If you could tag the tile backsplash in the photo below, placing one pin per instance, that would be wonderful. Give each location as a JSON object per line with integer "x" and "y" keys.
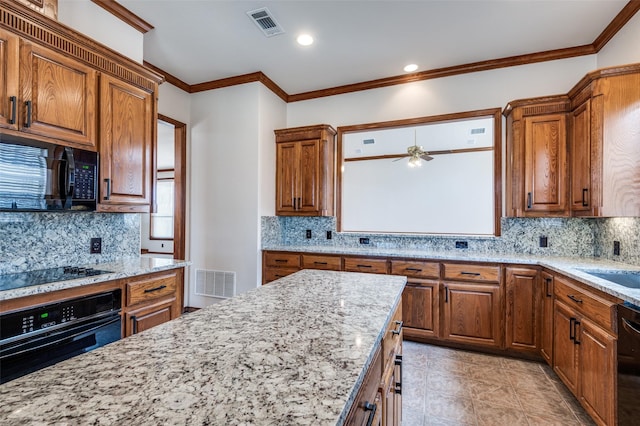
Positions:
{"x": 42, "y": 240}
{"x": 565, "y": 237}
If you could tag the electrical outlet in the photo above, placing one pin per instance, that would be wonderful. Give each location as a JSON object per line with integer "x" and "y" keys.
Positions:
{"x": 616, "y": 248}
{"x": 96, "y": 246}
{"x": 544, "y": 241}
{"x": 308, "y": 233}
{"x": 364, "y": 241}
{"x": 329, "y": 236}
{"x": 462, "y": 244}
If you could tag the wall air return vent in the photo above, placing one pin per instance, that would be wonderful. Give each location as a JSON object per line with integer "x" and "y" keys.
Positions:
{"x": 265, "y": 21}
{"x": 218, "y": 284}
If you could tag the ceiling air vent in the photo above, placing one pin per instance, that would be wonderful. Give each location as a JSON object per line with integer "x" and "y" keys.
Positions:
{"x": 265, "y": 21}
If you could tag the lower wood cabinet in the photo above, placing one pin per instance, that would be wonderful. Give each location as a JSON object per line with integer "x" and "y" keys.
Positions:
{"x": 546, "y": 320}
{"x": 522, "y": 327}
{"x": 420, "y": 307}
{"x": 152, "y": 300}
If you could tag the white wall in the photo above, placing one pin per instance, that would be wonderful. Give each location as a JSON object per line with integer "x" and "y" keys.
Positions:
{"x": 93, "y": 21}
{"x": 624, "y": 48}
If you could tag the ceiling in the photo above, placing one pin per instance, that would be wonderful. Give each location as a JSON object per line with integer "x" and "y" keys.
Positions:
{"x": 356, "y": 41}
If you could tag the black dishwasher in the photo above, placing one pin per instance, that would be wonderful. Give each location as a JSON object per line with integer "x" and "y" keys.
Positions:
{"x": 628, "y": 364}
{"x": 35, "y": 338}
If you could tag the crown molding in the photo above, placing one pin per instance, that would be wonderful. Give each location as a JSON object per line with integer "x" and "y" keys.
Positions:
{"x": 125, "y": 15}
{"x": 627, "y": 12}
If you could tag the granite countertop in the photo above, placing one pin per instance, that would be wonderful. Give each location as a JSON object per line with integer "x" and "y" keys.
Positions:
{"x": 573, "y": 267}
{"x": 293, "y": 352}
{"x": 124, "y": 268}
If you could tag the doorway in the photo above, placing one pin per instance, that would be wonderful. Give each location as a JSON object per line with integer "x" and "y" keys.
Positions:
{"x": 163, "y": 231}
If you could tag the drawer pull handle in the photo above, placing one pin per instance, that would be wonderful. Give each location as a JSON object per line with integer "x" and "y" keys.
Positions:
{"x": 281, "y": 260}
{"x": 631, "y": 326}
{"x": 584, "y": 197}
{"x": 29, "y": 113}
{"x": 576, "y": 323}
{"x": 320, "y": 263}
{"x": 398, "y": 329}
{"x": 107, "y": 196}
{"x": 363, "y": 266}
{"x": 529, "y": 200}
{"x": 446, "y": 295}
{"x": 575, "y": 299}
{"x": 413, "y": 269}
{"x": 475, "y": 274}
{"x": 572, "y": 329}
{"x": 398, "y": 362}
{"x": 14, "y": 102}
{"x": 151, "y": 290}
{"x": 547, "y": 282}
{"x": 370, "y": 407}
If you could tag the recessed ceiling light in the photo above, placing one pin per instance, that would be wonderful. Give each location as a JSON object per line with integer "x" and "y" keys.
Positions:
{"x": 305, "y": 39}
{"x": 411, "y": 68}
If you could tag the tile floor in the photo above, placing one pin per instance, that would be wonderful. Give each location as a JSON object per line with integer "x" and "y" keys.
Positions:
{"x": 452, "y": 387}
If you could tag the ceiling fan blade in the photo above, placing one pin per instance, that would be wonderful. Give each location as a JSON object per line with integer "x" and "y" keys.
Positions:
{"x": 402, "y": 158}
{"x": 426, "y": 157}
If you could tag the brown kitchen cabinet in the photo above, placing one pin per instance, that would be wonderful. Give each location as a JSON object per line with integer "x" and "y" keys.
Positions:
{"x": 472, "y": 311}
{"x": 127, "y": 122}
{"x": 584, "y": 351}
{"x": 277, "y": 264}
{"x": 580, "y": 153}
{"x": 325, "y": 262}
{"x": 366, "y": 264}
{"x": 305, "y": 170}
{"x": 152, "y": 299}
{"x": 51, "y": 96}
{"x": 522, "y": 328}
{"x": 367, "y": 407}
{"x": 546, "y": 314}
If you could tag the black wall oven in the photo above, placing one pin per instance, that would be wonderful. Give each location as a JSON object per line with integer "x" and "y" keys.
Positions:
{"x": 36, "y": 176}
{"x": 35, "y": 338}
{"x": 628, "y": 365}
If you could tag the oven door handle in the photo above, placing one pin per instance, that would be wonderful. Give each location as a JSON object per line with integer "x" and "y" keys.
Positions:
{"x": 72, "y": 333}
{"x": 631, "y": 327}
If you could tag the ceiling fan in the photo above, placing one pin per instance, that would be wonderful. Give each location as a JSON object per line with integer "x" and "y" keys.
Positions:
{"x": 416, "y": 154}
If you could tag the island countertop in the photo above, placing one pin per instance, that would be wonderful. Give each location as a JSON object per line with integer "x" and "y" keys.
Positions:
{"x": 293, "y": 352}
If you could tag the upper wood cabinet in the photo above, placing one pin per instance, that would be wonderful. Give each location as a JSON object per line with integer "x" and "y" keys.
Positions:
{"x": 126, "y": 141}
{"x": 305, "y": 169}
{"x": 577, "y": 154}
{"x": 58, "y": 97}
{"x": 9, "y": 80}
{"x": 537, "y": 158}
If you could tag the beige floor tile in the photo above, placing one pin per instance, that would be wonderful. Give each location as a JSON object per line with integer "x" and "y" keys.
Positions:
{"x": 488, "y": 374}
{"x": 449, "y": 365}
{"x": 535, "y": 381}
{"x": 548, "y": 403}
{"x": 411, "y": 417}
{"x": 495, "y": 415}
{"x": 481, "y": 359}
{"x": 447, "y": 384}
{"x": 538, "y": 420}
{"x": 434, "y": 421}
{"x": 493, "y": 393}
{"x": 450, "y": 408}
{"x": 521, "y": 365}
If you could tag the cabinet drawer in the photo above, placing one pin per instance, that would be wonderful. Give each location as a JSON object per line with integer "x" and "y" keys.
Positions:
{"x": 332, "y": 263}
{"x": 272, "y": 274}
{"x": 415, "y": 268}
{"x": 597, "y": 309}
{"x": 363, "y": 264}
{"x": 150, "y": 287}
{"x": 392, "y": 340}
{"x": 479, "y": 273}
{"x": 282, "y": 260}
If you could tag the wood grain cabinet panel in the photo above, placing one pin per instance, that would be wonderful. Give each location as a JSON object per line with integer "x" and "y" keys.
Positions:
{"x": 420, "y": 308}
{"x": 9, "y": 95}
{"x": 471, "y": 272}
{"x": 282, "y": 260}
{"x": 127, "y": 120}
{"x": 415, "y": 268}
{"x": 565, "y": 351}
{"x": 331, "y": 263}
{"x": 305, "y": 171}
{"x": 522, "y": 313}
{"x": 58, "y": 97}
{"x": 148, "y": 316}
{"x": 580, "y": 154}
{"x": 546, "y": 320}
{"x": 364, "y": 264}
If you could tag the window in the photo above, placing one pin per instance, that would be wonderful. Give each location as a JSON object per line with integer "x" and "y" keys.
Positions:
{"x": 162, "y": 220}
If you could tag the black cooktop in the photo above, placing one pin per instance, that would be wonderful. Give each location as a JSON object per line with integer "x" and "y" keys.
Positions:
{"x": 44, "y": 276}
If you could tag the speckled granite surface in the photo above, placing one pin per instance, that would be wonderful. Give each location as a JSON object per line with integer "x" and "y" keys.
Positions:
{"x": 122, "y": 268}
{"x": 289, "y": 353}
{"x": 573, "y": 267}
{"x": 30, "y": 241}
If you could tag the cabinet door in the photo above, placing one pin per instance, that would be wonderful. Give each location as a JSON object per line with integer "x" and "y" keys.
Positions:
{"x": 597, "y": 372}
{"x": 58, "y": 97}
{"x": 9, "y": 95}
{"x": 545, "y": 164}
{"x": 126, "y": 139}
{"x": 565, "y": 353}
{"x": 522, "y": 325}
{"x": 472, "y": 313}
{"x": 287, "y": 160}
{"x": 420, "y": 306}
{"x": 309, "y": 177}
{"x": 148, "y": 316}
{"x": 546, "y": 338}
{"x": 581, "y": 159}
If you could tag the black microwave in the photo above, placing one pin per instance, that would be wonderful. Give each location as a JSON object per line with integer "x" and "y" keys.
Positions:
{"x": 37, "y": 176}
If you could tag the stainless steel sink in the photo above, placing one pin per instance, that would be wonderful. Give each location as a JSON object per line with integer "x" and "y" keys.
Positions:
{"x": 629, "y": 279}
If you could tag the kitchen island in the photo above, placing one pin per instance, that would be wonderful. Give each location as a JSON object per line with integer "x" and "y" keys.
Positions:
{"x": 291, "y": 352}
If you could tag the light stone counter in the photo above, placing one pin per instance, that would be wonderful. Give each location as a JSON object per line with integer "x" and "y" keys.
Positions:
{"x": 573, "y": 267}
{"x": 124, "y": 268}
{"x": 293, "y": 352}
